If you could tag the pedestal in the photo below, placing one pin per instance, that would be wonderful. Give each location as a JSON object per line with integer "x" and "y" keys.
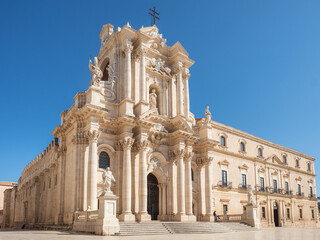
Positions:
{"x": 141, "y": 108}
{"x": 107, "y": 212}
{"x": 143, "y": 217}
{"x": 126, "y": 108}
{"x": 252, "y": 215}
{"x": 208, "y": 218}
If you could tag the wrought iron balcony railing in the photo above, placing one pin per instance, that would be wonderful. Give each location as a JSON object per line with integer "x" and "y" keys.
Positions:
{"x": 288, "y": 192}
{"x": 312, "y": 196}
{"x": 243, "y": 186}
{"x": 225, "y": 184}
{"x": 300, "y": 194}
{"x": 262, "y": 189}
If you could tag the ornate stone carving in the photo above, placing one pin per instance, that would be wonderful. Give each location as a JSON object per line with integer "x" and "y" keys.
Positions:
{"x": 80, "y": 138}
{"x": 176, "y": 154}
{"x": 142, "y": 145}
{"x": 107, "y": 180}
{"x": 128, "y": 46}
{"x": 153, "y": 99}
{"x": 207, "y": 119}
{"x": 159, "y": 128}
{"x": 178, "y": 67}
{"x": 109, "y": 90}
{"x": 96, "y": 73}
{"x": 93, "y": 135}
{"x": 188, "y": 156}
{"x": 186, "y": 73}
{"x": 158, "y": 65}
{"x": 126, "y": 143}
{"x": 202, "y": 161}
{"x": 153, "y": 164}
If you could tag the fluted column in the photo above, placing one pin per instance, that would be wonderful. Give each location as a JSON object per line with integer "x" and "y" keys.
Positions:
{"x": 178, "y": 70}
{"x": 92, "y": 171}
{"x": 188, "y": 158}
{"x": 209, "y": 209}
{"x": 128, "y": 49}
{"x": 143, "y": 187}
{"x": 143, "y": 81}
{"x": 126, "y": 145}
{"x": 186, "y": 76}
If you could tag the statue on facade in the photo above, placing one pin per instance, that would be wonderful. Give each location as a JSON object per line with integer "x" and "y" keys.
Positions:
{"x": 107, "y": 181}
{"x": 96, "y": 73}
{"x": 207, "y": 116}
{"x": 251, "y": 199}
{"x": 153, "y": 99}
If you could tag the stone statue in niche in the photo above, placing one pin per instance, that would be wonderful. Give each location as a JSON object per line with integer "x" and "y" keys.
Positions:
{"x": 110, "y": 83}
{"x": 207, "y": 116}
{"x": 153, "y": 99}
{"x": 107, "y": 181}
{"x": 96, "y": 73}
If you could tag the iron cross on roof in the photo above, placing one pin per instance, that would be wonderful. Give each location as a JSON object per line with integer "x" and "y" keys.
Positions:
{"x": 153, "y": 15}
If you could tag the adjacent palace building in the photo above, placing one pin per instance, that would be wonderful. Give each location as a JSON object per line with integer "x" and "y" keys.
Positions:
{"x": 167, "y": 164}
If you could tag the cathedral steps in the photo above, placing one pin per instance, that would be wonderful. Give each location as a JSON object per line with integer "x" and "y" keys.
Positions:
{"x": 164, "y": 228}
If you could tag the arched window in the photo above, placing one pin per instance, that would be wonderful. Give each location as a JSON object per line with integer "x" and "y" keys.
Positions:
{"x": 309, "y": 167}
{"x": 284, "y": 159}
{"x": 242, "y": 147}
{"x": 259, "y": 152}
{"x": 104, "y": 160}
{"x": 223, "y": 141}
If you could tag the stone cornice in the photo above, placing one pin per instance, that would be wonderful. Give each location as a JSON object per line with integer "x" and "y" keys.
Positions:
{"x": 239, "y": 133}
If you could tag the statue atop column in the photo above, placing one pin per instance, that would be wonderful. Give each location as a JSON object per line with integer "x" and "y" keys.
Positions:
{"x": 251, "y": 199}
{"x": 207, "y": 116}
{"x": 96, "y": 73}
{"x": 107, "y": 181}
{"x": 153, "y": 99}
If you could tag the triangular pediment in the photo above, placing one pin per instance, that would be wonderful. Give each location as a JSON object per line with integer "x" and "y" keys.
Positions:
{"x": 275, "y": 159}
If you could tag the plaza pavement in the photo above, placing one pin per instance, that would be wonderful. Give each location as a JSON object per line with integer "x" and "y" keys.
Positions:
{"x": 265, "y": 234}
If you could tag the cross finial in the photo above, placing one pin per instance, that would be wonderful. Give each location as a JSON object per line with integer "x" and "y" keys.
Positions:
{"x": 153, "y": 15}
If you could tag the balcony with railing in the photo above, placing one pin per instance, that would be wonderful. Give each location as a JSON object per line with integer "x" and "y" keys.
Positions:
{"x": 261, "y": 189}
{"x": 312, "y": 195}
{"x": 224, "y": 184}
{"x": 243, "y": 186}
{"x": 300, "y": 194}
{"x": 288, "y": 192}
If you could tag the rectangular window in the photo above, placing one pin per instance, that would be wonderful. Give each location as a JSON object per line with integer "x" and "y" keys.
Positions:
{"x": 224, "y": 178}
{"x": 56, "y": 180}
{"x": 262, "y": 184}
{"x": 311, "y": 191}
{"x": 286, "y": 184}
{"x": 312, "y": 213}
{"x": 263, "y": 211}
{"x": 225, "y": 209}
{"x": 300, "y": 212}
{"x": 297, "y": 163}
{"x": 244, "y": 181}
{"x": 288, "y": 213}
{"x": 275, "y": 186}
{"x": 299, "y": 189}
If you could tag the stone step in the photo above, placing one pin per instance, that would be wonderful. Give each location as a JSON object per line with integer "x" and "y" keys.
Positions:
{"x": 160, "y": 228}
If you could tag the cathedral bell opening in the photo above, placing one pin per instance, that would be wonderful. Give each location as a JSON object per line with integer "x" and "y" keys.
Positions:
{"x": 153, "y": 197}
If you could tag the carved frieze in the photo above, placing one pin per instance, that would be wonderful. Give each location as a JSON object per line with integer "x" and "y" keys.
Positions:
{"x": 158, "y": 65}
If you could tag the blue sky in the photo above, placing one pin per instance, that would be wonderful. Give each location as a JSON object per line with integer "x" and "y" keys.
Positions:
{"x": 257, "y": 66}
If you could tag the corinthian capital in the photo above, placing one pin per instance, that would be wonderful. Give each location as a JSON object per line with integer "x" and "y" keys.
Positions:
{"x": 188, "y": 156}
{"x": 126, "y": 143}
{"x": 93, "y": 136}
{"x": 128, "y": 46}
{"x": 177, "y": 67}
{"x": 176, "y": 154}
{"x": 185, "y": 73}
{"x": 142, "y": 145}
{"x": 202, "y": 161}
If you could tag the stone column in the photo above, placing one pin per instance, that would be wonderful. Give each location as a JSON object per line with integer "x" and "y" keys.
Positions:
{"x": 186, "y": 76}
{"x": 188, "y": 158}
{"x": 143, "y": 81}
{"x": 128, "y": 49}
{"x": 178, "y": 71}
{"x": 164, "y": 202}
{"x": 126, "y": 215}
{"x": 209, "y": 207}
{"x": 143, "y": 188}
{"x": 181, "y": 214}
{"x": 92, "y": 199}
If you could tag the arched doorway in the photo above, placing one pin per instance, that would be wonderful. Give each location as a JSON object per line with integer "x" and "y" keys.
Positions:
{"x": 276, "y": 214}
{"x": 153, "y": 196}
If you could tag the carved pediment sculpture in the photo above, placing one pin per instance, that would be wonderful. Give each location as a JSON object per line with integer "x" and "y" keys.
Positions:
{"x": 96, "y": 73}
{"x": 158, "y": 65}
{"x": 153, "y": 164}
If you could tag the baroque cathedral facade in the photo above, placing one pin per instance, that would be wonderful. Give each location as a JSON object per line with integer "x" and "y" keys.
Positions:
{"x": 167, "y": 164}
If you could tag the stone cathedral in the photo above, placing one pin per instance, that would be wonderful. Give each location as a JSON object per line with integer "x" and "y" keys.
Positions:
{"x": 135, "y": 119}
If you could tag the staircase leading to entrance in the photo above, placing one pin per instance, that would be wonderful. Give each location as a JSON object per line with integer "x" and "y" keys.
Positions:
{"x": 163, "y": 228}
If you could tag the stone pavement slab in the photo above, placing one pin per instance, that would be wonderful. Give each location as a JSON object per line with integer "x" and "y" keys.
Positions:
{"x": 265, "y": 234}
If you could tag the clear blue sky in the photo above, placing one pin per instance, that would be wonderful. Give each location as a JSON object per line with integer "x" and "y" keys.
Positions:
{"x": 257, "y": 66}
